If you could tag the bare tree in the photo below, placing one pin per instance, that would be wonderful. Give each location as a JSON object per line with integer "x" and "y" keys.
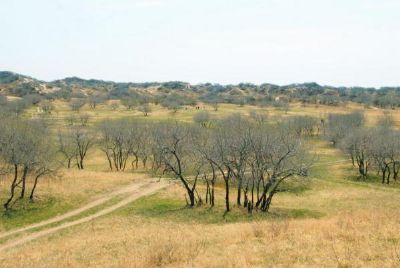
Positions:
{"x": 339, "y": 124}
{"x": 84, "y": 140}
{"x": 303, "y": 125}
{"x": 145, "y": 109}
{"x": 26, "y": 148}
{"x": 130, "y": 103}
{"x": 214, "y": 151}
{"x": 78, "y": 120}
{"x": 117, "y": 142}
{"x": 278, "y": 156}
{"x": 66, "y": 146}
{"x": 358, "y": 145}
{"x": 95, "y": 100}
{"x": 237, "y": 148}
{"x": 174, "y": 142}
{"x": 215, "y": 106}
{"x": 385, "y": 150}
{"x": 77, "y": 104}
{"x": 46, "y": 106}
{"x": 386, "y": 121}
{"x": 74, "y": 143}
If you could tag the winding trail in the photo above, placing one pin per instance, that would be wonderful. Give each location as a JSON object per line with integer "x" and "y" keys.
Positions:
{"x": 135, "y": 191}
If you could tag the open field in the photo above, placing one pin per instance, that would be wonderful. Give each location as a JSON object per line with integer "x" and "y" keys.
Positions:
{"x": 221, "y": 134}
{"x": 326, "y": 219}
{"x": 104, "y": 111}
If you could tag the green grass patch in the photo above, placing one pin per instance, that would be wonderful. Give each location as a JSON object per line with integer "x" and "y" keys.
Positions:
{"x": 83, "y": 214}
{"x": 295, "y": 186}
{"x": 24, "y": 212}
{"x": 158, "y": 207}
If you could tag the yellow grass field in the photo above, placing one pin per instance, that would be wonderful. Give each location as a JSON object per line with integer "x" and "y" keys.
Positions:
{"x": 329, "y": 219}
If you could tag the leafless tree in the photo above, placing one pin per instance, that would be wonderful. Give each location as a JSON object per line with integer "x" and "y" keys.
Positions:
{"x": 78, "y": 120}
{"x": 84, "y": 140}
{"x": 386, "y": 121}
{"x": 95, "y": 100}
{"x": 74, "y": 143}
{"x": 66, "y": 146}
{"x": 215, "y": 106}
{"x": 145, "y": 109}
{"x": 214, "y": 151}
{"x": 303, "y": 125}
{"x": 130, "y": 103}
{"x": 46, "y": 106}
{"x": 278, "y": 155}
{"x": 237, "y": 148}
{"x": 339, "y": 124}
{"x": 385, "y": 150}
{"x": 174, "y": 142}
{"x": 117, "y": 142}
{"x": 77, "y": 104}
{"x": 358, "y": 145}
{"x": 26, "y": 149}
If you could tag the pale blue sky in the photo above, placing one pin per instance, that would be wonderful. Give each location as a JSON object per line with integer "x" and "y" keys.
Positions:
{"x": 336, "y": 42}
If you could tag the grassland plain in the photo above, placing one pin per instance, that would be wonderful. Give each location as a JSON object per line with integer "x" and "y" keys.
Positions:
{"x": 329, "y": 219}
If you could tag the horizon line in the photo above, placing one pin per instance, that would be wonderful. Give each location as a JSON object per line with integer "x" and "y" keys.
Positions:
{"x": 197, "y": 83}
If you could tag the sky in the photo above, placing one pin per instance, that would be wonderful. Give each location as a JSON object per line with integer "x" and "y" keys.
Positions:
{"x": 331, "y": 42}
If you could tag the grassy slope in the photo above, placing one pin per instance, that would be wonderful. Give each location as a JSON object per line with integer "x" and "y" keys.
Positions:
{"x": 331, "y": 219}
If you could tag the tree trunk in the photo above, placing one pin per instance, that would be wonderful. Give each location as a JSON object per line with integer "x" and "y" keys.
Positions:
{"x": 109, "y": 161}
{"x": 13, "y": 185}
{"x": 239, "y": 191}
{"x": 34, "y": 186}
{"x": 207, "y": 191}
{"x": 191, "y": 198}
{"x": 383, "y": 175}
{"x": 212, "y": 193}
{"x": 395, "y": 171}
{"x": 267, "y": 202}
{"x": 81, "y": 163}
{"x": 23, "y": 179}
{"x": 388, "y": 176}
{"x": 227, "y": 195}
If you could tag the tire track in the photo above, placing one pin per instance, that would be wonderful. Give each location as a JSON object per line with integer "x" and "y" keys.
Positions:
{"x": 137, "y": 191}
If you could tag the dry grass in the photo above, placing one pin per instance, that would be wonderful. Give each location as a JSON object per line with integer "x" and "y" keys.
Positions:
{"x": 71, "y": 189}
{"x": 357, "y": 225}
{"x": 158, "y": 113}
{"x": 359, "y": 239}
{"x": 358, "y": 229}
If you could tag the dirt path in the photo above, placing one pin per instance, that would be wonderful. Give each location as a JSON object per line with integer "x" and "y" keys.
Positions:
{"x": 136, "y": 191}
{"x": 75, "y": 212}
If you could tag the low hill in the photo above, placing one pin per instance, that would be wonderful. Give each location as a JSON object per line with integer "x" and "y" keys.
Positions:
{"x": 19, "y": 85}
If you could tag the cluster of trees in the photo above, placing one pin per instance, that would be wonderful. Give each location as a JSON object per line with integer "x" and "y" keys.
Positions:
{"x": 26, "y": 153}
{"x": 17, "y": 106}
{"x": 29, "y": 150}
{"x": 252, "y": 156}
{"x": 73, "y": 143}
{"x": 370, "y": 148}
{"x": 247, "y": 154}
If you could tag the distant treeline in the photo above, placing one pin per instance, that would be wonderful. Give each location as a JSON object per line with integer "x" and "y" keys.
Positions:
{"x": 241, "y": 94}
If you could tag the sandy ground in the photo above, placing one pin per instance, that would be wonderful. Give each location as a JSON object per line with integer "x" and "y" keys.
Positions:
{"x": 134, "y": 191}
